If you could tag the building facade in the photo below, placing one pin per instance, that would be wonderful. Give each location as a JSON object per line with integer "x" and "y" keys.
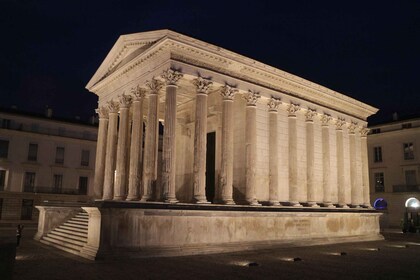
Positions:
{"x": 43, "y": 159}
{"x": 394, "y": 167}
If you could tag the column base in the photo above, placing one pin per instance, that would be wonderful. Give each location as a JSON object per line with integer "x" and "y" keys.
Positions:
{"x": 228, "y": 201}
{"x": 145, "y": 198}
{"x": 313, "y": 204}
{"x": 132, "y": 198}
{"x": 274, "y": 203}
{"x": 328, "y": 205}
{"x": 202, "y": 202}
{"x": 254, "y": 203}
{"x": 171, "y": 200}
{"x": 342, "y": 205}
{"x": 356, "y": 206}
{"x": 118, "y": 198}
{"x": 367, "y": 205}
{"x": 295, "y": 204}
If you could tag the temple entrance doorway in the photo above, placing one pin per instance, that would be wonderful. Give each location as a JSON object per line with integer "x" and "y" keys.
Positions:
{"x": 210, "y": 166}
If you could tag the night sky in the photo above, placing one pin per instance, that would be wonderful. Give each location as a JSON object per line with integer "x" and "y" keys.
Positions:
{"x": 369, "y": 50}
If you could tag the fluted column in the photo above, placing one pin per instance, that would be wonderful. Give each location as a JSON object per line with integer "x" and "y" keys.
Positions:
{"x": 340, "y": 163}
{"x": 327, "y": 201}
{"x": 354, "y": 180}
{"x": 98, "y": 184}
{"x": 273, "y": 195}
{"x": 358, "y": 197}
{"x": 151, "y": 141}
{"x": 310, "y": 157}
{"x": 200, "y": 139}
{"x": 293, "y": 162}
{"x": 169, "y": 136}
{"x": 121, "y": 172}
{"x": 111, "y": 150}
{"x": 226, "y": 170}
{"x": 365, "y": 168}
{"x": 136, "y": 150}
{"x": 251, "y": 98}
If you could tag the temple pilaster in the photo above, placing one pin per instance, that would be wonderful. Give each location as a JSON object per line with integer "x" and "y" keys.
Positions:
{"x": 100, "y": 152}
{"x": 273, "y": 195}
{"x": 365, "y": 168}
{"x": 293, "y": 161}
{"x": 326, "y": 183}
{"x": 341, "y": 191}
{"x": 310, "y": 157}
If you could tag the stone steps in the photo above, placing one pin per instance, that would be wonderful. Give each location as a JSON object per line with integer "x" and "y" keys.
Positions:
{"x": 71, "y": 236}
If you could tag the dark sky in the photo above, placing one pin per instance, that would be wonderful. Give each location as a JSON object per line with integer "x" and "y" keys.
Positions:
{"x": 369, "y": 50}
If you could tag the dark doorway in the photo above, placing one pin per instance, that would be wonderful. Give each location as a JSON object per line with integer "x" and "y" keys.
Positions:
{"x": 210, "y": 166}
{"x": 27, "y": 207}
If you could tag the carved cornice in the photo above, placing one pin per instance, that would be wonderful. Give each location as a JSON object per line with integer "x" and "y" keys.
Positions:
{"x": 310, "y": 114}
{"x": 352, "y": 126}
{"x": 292, "y": 109}
{"x": 102, "y": 112}
{"x": 113, "y": 106}
{"x": 203, "y": 85}
{"x": 273, "y": 104}
{"x": 171, "y": 76}
{"x": 339, "y": 123}
{"x": 251, "y": 97}
{"x": 228, "y": 92}
{"x": 125, "y": 100}
{"x": 364, "y": 131}
{"x": 325, "y": 119}
{"x": 138, "y": 93}
{"x": 154, "y": 85}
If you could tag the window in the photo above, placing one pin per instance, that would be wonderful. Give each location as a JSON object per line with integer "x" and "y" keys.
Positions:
{"x": 376, "y": 130}
{"x": 59, "y": 155}
{"x": 85, "y": 158}
{"x": 410, "y": 178}
{"x": 27, "y": 209}
{"x": 83, "y": 185}
{"x": 379, "y": 182}
{"x": 408, "y": 150}
{"x": 2, "y": 179}
{"x": 5, "y": 123}
{"x": 32, "y": 152}
{"x": 4, "y": 148}
{"x": 58, "y": 183}
{"x": 406, "y": 125}
{"x": 377, "y": 151}
{"x": 29, "y": 183}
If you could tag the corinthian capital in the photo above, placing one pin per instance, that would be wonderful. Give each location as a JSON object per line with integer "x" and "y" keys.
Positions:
{"x": 125, "y": 100}
{"x": 171, "y": 76}
{"x": 310, "y": 114}
{"x": 325, "y": 119}
{"x": 228, "y": 92}
{"x": 273, "y": 104}
{"x": 138, "y": 93}
{"x": 203, "y": 85}
{"x": 113, "y": 106}
{"x": 339, "y": 123}
{"x": 154, "y": 85}
{"x": 352, "y": 126}
{"x": 251, "y": 97}
{"x": 292, "y": 109}
{"x": 364, "y": 131}
{"x": 102, "y": 112}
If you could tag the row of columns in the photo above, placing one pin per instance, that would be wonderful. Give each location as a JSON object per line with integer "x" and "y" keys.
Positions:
{"x": 114, "y": 172}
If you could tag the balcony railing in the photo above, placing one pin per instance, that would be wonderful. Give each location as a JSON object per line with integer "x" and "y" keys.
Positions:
{"x": 53, "y": 190}
{"x": 406, "y": 188}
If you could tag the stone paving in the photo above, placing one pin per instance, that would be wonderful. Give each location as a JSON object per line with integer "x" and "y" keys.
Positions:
{"x": 397, "y": 257}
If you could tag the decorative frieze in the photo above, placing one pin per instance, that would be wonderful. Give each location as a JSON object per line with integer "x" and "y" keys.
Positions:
{"x": 251, "y": 97}
{"x": 172, "y": 76}
{"x": 203, "y": 85}
{"x": 273, "y": 104}
{"x": 228, "y": 92}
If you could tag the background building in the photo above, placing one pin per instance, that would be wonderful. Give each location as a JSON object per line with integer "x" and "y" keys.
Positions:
{"x": 394, "y": 166}
{"x": 43, "y": 158}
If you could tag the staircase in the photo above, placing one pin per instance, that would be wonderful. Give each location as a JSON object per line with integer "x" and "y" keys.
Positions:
{"x": 71, "y": 236}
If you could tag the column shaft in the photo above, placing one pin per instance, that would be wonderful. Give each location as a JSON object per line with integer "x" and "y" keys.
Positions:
{"x": 310, "y": 158}
{"x": 111, "y": 149}
{"x": 100, "y": 153}
{"x": 136, "y": 149}
{"x": 365, "y": 167}
{"x": 355, "y": 181}
{"x": 251, "y": 154}
{"x": 293, "y": 161}
{"x": 273, "y": 153}
{"x": 340, "y": 170}
{"x": 326, "y": 161}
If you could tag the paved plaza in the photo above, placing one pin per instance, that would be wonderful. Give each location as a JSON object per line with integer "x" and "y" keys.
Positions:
{"x": 397, "y": 257}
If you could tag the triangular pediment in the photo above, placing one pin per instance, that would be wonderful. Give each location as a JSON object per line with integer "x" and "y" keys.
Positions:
{"x": 124, "y": 50}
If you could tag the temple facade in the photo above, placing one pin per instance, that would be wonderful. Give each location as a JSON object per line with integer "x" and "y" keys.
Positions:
{"x": 203, "y": 150}
{"x": 272, "y": 137}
